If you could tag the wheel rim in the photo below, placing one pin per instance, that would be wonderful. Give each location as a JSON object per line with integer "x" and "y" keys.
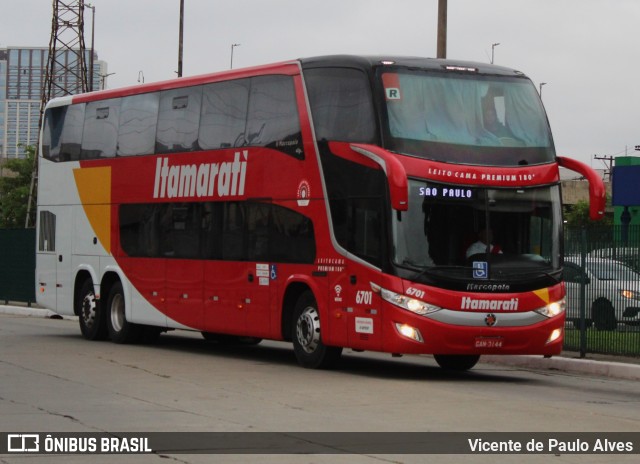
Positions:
{"x": 89, "y": 309}
{"x": 117, "y": 312}
{"x": 308, "y": 329}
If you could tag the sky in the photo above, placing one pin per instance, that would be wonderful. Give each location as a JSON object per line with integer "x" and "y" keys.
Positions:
{"x": 587, "y": 52}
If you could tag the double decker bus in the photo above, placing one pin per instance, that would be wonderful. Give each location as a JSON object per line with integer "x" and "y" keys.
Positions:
{"x": 330, "y": 202}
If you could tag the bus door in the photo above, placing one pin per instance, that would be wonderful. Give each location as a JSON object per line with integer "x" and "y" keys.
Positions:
{"x": 365, "y": 318}
{"x": 340, "y": 307}
{"x": 354, "y": 316}
{"x": 259, "y": 273}
{"x": 184, "y": 266}
{"x": 54, "y": 258}
{"x": 224, "y": 282}
{"x": 237, "y": 282}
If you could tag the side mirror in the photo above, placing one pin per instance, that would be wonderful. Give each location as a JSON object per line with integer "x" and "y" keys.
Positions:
{"x": 372, "y": 155}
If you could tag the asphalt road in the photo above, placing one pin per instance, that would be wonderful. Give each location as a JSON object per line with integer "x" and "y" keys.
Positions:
{"x": 52, "y": 380}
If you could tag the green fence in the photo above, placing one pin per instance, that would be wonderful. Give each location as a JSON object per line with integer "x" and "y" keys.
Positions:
{"x": 602, "y": 276}
{"x": 17, "y": 265}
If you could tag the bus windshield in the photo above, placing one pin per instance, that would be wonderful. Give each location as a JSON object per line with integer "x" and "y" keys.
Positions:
{"x": 465, "y": 118}
{"x": 448, "y": 228}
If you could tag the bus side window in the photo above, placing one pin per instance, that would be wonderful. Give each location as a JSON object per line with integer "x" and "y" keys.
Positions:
{"x": 179, "y": 120}
{"x": 71, "y": 136}
{"x": 138, "y": 121}
{"x": 291, "y": 237}
{"x": 100, "y": 133}
{"x": 224, "y": 114}
{"x": 233, "y": 231}
{"x": 273, "y": 115}
{"x": 341, "y": 104}
{"x": 52, "y": 133}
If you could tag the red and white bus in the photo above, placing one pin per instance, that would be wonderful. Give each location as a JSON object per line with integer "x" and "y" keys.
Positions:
{"x": 328, "y": 201}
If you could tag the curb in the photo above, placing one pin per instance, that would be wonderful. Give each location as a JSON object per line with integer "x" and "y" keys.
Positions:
{"x": 611, "y": 369}
{"x": 617, "y": 370}
{"x": 26, "y": 311}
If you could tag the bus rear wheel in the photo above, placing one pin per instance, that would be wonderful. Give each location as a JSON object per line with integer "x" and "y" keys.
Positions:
{"x": 93, "y": 324}
{"x": 456, "y": 362}
{"x": 120, "y": 330}
{"x": 306, "y": 335}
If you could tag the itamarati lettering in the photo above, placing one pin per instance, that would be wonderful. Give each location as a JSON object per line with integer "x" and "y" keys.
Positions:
{"x": 200, "y": 180}
{"x": 492, "y": 305}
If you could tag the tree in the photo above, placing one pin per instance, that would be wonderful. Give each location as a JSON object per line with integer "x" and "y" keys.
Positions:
{"x": 578, "y": 216}
{"x": 14, "y": 190}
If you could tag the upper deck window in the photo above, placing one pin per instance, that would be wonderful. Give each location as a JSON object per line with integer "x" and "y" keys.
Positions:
{"x": 341, "y": 104}
{"x": 466, "y": 118}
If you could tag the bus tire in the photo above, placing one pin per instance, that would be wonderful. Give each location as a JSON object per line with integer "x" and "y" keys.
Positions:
{"x": 604, "y": 316}
{"x": 310, "y": 352}
{"x": 120, "y": 330}
{"x": 456, "y": 362}
{"x": 93, "y": 324}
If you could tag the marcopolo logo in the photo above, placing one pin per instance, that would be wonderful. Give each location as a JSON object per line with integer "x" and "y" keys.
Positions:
{"x": 200, "y": 180}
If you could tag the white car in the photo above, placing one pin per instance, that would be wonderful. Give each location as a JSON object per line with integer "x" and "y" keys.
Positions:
{"x": 612, "y": 292}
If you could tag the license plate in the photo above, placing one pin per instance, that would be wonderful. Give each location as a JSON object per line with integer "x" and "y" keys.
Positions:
{"x": 489, "y": 342}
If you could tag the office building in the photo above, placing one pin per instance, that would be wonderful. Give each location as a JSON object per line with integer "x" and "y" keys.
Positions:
{"x": 22, "y": 74}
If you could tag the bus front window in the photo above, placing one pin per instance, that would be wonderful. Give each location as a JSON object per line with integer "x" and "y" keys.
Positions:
{"x": 465, "y": 118}
{"x": 434, "y": 236}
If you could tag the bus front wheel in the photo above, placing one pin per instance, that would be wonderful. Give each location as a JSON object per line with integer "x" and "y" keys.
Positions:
{"x": 456, "y": 362}
{"x": 120, "y": 330}
{"x": 306, "y": 335}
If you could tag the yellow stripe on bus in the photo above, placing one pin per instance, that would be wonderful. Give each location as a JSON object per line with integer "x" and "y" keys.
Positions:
{"x": 543, "y": 294}
{"x": 94, "y": 188}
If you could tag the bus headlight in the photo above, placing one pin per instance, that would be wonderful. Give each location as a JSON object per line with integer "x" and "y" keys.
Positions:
{"x": 553, "y": 309}
{"x": 409, "y": 332}
{"x": 556, "y": 334}
{"x": 405, "y": 302}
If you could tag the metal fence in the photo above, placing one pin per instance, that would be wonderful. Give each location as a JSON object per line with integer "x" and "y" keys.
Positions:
{"x": 602, "y": 276}
{"x": 17, "y": 265}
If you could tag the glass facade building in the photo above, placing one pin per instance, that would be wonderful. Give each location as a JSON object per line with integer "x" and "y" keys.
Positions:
{"x": 22, "y": 74}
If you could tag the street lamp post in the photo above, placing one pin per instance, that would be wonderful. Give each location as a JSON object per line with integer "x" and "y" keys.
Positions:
{"x": 540, "y": 88}
{"x": 93, "y": 29}
{"x": 232, "y": 47}
{"x": 181, "y": 33}
{"x": 103, "y": 79}
{"x": 493, "y": 46}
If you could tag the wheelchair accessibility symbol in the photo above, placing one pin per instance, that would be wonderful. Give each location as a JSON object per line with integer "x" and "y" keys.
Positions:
{"x": 274, "y": 272}
{"x": 480, "y": 270}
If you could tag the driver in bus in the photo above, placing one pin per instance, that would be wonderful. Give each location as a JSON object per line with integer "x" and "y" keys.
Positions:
{"x": 485, "y": 237}
{"x": 491, "y": 121}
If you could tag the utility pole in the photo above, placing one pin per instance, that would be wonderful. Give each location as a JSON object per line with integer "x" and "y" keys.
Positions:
{"x": 66, "y": 72}
{"x": 442, "y": 28}
{"x": 608, "y": 161}
{"x": 180, "y": 38}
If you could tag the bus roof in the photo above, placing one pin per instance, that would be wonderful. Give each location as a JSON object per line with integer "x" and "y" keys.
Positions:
{"x": 365, "y": 63}
{"x": 436, "y": 64}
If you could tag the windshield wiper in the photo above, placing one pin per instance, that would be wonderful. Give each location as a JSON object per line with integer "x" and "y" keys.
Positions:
{"x": 439, "y": 270}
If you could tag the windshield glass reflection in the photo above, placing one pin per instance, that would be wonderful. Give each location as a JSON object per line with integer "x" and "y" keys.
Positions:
{"x": 448, "y": 228}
